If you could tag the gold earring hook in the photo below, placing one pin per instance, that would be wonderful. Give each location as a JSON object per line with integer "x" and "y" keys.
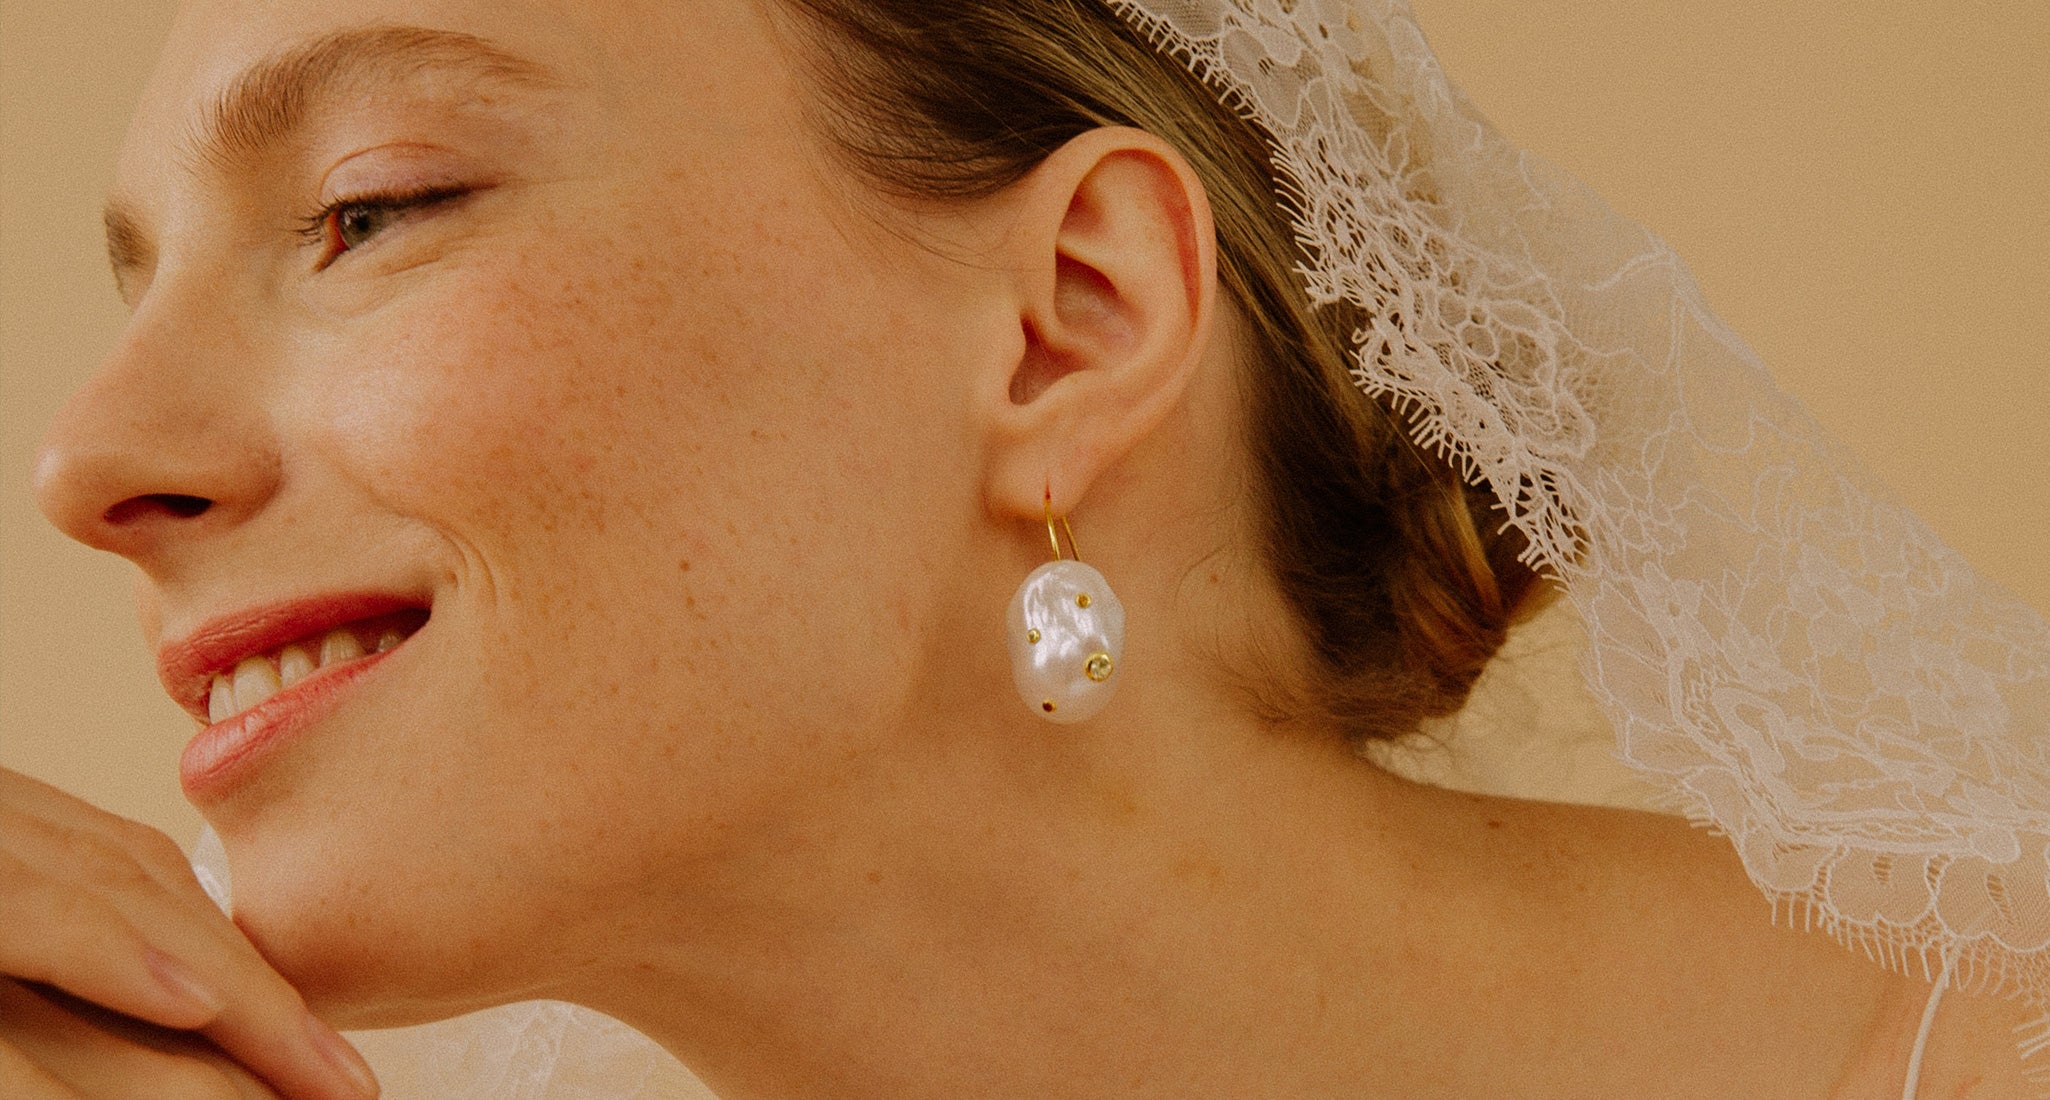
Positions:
{"x": 1073, "y": 550}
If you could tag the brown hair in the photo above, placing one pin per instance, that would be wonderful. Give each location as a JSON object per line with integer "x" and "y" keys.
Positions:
{"x": 1404, "y": 583}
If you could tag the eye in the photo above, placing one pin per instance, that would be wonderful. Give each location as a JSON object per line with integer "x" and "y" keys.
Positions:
{"x": 352, "y": 222}
{"x": 358, "y": 223}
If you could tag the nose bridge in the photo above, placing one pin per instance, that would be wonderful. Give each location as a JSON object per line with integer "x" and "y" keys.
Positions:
{"x": 171, "y": 437}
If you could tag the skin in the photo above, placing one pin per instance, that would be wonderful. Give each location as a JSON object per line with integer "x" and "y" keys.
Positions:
{"x": 791, "y": 819}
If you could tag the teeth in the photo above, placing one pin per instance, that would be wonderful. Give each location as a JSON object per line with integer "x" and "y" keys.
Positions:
{"x": 339, "y": 645}
{"x": 256, "y": 679}
{"x": 294, "y": 665}
{"x": 220, "y": 702}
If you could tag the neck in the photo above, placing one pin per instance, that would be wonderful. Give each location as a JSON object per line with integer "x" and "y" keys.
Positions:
{"x": 1192, "y": 908}
{"x": 1173, "y": 906}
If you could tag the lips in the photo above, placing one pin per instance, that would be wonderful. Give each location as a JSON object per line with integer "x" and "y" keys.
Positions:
{"x": 186, "y": 667}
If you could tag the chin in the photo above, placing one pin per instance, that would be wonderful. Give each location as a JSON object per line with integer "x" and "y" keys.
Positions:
{"x": 371, "y": 946}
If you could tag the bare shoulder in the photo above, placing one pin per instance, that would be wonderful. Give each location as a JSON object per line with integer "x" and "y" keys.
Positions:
{"x": 1701, "y": 943}
{"x": 1973, "y": 1052}
{"x": 1974, "y": 1047}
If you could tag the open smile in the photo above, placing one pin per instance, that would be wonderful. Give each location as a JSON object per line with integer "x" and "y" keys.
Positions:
{"x": 255, "y": 678}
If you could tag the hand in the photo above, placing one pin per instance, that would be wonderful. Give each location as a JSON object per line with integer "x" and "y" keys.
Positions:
{"x": 56, "y": 1047}
{"x": 147, "y": 975}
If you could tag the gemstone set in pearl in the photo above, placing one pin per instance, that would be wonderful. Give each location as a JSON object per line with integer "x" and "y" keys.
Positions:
{"x": 1066, "y": 631}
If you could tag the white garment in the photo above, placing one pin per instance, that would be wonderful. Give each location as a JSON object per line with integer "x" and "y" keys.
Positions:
{"x": 1772, "y": 645}
{"x": 1528, "y": 732}
{"x": 1785, "y": 652}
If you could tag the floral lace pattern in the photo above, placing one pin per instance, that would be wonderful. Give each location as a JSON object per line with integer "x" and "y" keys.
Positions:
{"x": 1797, "y": 660}
{"x": 1788, "y": 654}
{"x": 536, "y": 1050}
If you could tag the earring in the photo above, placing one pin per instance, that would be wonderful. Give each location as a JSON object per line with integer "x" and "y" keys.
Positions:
{"x": 1067, "y": 633}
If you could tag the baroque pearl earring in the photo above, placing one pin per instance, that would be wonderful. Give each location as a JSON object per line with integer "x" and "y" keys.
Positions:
{"x": 1066, "y": 630}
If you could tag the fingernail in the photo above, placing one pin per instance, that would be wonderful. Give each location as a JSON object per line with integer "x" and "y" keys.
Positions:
{"x": 343, "y": 1057}
{"x": 183, "y": 984}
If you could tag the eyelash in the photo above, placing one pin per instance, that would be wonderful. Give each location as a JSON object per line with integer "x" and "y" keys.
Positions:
{"x": 322, "y": 227}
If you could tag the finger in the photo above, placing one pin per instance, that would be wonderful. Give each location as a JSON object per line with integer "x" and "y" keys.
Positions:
{"x": 263, "y": 1022}
{"x": 25, "y": 1080}
{"x": 155, "y": 852}
{"x": 319, "y": 1063}
{"x": 87, "y": 946}
{"x": 65, "y": 1047}
{"x": 88, "y": 920}
{"x": 82, "y": 943}
{"x": 110, "y": 1057}
{"x": 77, "y": 890}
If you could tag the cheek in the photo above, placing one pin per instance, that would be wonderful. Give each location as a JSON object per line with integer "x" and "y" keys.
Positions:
{"x": 661, "y": 498}
{"x": 583, "y": 387}
{"x": 664, "y": 624}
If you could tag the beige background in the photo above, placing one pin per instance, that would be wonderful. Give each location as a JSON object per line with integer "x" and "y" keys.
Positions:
{"x": 1864, "y": 190}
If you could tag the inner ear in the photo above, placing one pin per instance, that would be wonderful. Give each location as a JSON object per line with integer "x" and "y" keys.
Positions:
{"x": 1085, "y": 302}
{"x": 1036, "y": 369}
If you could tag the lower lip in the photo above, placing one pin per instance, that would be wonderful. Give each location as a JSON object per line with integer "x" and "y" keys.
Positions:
{"x": 226, "y": 753}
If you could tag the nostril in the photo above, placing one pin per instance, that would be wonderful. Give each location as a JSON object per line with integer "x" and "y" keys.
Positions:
{"x": 175, "y": 504}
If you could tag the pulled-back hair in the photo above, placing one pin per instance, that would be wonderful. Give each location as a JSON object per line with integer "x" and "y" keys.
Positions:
{"x": 1403, "y": 581}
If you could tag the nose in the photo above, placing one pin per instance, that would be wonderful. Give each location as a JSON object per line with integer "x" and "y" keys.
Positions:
{"x": 167, "y": 442}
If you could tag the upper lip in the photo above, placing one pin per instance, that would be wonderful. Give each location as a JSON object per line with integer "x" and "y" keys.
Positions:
{"x": 186, "y": 666}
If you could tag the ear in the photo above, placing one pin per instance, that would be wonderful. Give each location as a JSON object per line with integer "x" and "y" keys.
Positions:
{"x": 1114, "y": 254}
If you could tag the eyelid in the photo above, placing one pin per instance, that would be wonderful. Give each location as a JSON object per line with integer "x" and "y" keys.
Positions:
{"x": 392, "y": 165}
{"x": 318, "y": 227}
{"x": 398, "y": 179}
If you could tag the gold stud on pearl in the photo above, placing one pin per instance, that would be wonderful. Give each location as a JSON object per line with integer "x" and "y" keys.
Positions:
{"x": 1066, "y": 634}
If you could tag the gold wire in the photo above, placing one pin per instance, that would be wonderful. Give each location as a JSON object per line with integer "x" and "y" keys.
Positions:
{"x": 1073, "y": 550}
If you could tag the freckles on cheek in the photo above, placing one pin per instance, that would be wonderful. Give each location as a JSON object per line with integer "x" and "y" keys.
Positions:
{"x": 481, "y": 402}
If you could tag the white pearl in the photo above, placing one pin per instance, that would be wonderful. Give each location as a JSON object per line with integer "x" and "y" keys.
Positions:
{"x": 1063, "y": 617}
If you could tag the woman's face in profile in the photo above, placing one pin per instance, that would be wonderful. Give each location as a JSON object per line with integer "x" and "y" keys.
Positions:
{"x": 556, "y": 322}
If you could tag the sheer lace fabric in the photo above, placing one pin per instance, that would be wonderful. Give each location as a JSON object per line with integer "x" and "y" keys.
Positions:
{"x": 1789, "y": 654}
{"x": 1774, "y": 647}
{"x": 535, "y": 1050}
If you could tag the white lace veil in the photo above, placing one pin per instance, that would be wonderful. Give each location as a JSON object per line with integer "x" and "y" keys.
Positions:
{"x": 1780, "y": 649}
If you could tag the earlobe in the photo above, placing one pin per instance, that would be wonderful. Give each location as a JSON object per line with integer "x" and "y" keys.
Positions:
{"x": 1115, "y": 254}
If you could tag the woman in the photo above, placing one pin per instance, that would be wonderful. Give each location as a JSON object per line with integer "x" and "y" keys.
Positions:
{"x": 453, "y": 349}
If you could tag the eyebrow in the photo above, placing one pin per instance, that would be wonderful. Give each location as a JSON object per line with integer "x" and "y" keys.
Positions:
{"x": 269, "y": 102}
